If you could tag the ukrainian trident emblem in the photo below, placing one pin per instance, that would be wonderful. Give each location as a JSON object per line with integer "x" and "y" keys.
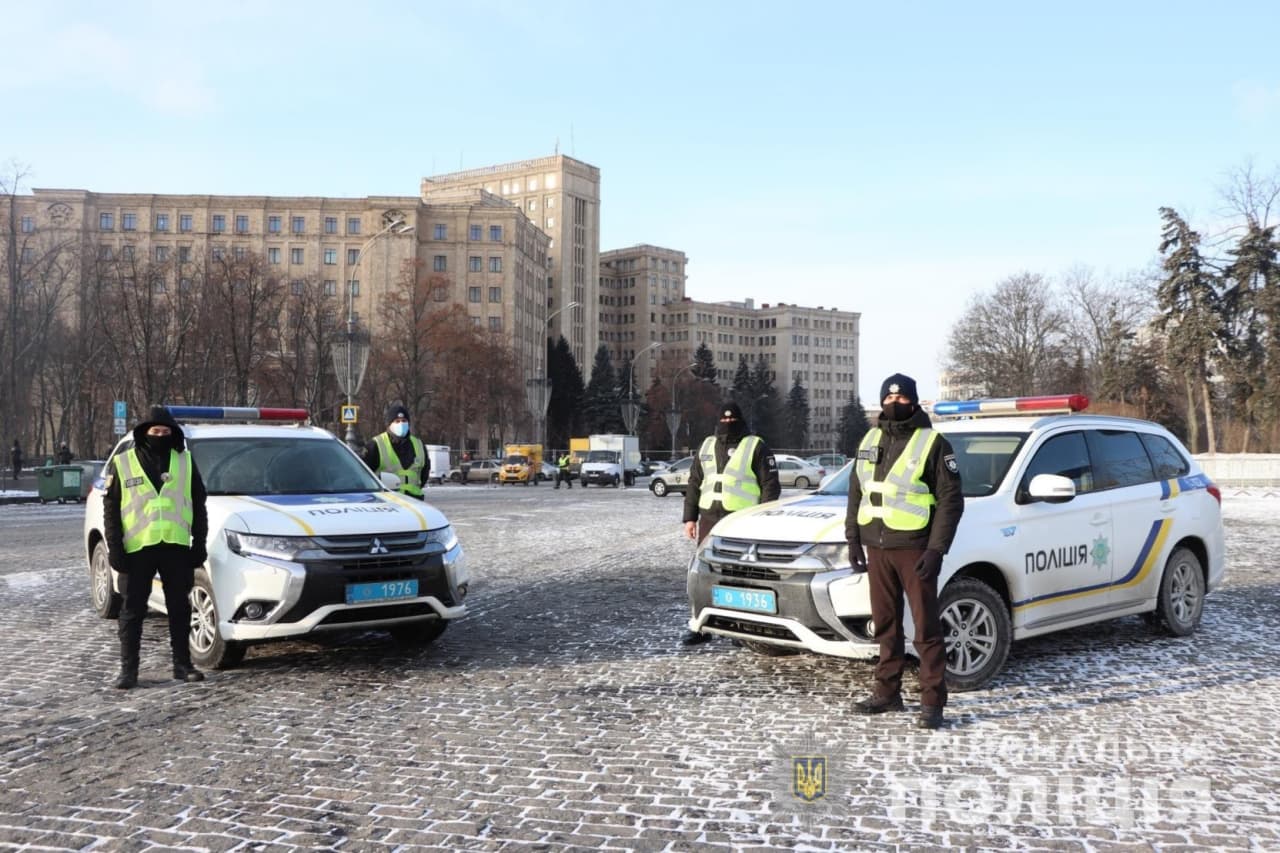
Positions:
{"x": 810, "y": 777}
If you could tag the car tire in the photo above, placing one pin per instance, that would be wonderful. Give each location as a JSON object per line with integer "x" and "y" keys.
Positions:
{"x": 456, "y": 477}
{"x": 106, "y": 601}
{"x": 208, "y": 649}
{"x": 629, "y": 479}
{"x": 1180, "y": 602}
{"x": 769, "y": 650}
{"x": 976, "y": 632}
{"x": 659, "y": 488}
{"x": 801, "y": 483}
{"x": 583, "y": 481}
{"x": 422, "y": 633}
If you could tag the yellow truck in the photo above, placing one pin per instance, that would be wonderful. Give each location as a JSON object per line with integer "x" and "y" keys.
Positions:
{"x": 521, "y": 463}
{"x": 578, "y": 448}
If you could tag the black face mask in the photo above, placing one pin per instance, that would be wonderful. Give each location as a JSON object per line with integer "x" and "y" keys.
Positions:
{"x": 729, "y": 431}
{"x": 159, "y": 444}
{"x": 896, "y": 411}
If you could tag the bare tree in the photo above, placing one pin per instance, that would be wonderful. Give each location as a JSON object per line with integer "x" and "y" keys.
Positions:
{"x": 1106, "y": 319}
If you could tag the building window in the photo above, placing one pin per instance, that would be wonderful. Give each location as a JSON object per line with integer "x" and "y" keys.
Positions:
{"x": 184, "y": 254}
{"x": 273, "y": 255}
{"x": 106, "y": 221}
{"x": 353, "y": 255}
{"x": 299, "y": 224}
{"x": 440, "y": 232}
{"x": 28, "y": 255}
{"x": 240, "y": 253}
{"x": 495, "y": 233}
{"x": 330, "y": 287}
{"x": 440, "y": 263}
{"x": 273, "y": 224}
{"x": 495, "y": 324}
{"x": 162, "y": 253}
{"x": 475, "y": 321}
{"x": 162, "y": 222}
{"x": 473, "y": 294}
{"x": 495, "y": 294}
{"x": 219, "y": 223}
{"x": 475, "y": 232}
{"x": 184, "y": 284}
{"x": 330, "y": 256}
{"x": 217, "y": 253}
{"x": 28, "y": 225}
{"x": 295, "y": 256}
{"x": 104, "y": 253}
{"x": 242, "y": 224}
{"x": 495, "y": 264}
{"x": 353, "y": 286}
{"x": 551, "y": 222}
{"x": 295, "y": 286}
{"x": 128, "y": 222}
{"x": 126, "y": 253}
{"x": 331, "y": 225}
{"x": 475, "y": 263}
{"x": 353, "y": 225}
{"x": 184, "y": 222}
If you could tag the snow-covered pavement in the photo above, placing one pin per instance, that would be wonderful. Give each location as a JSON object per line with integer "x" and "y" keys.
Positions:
{"x": 563, "y": 713}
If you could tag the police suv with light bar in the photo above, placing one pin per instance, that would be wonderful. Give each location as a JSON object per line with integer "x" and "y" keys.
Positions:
{"x": 1069, "y": 519}
{"x": 302, "y": 538}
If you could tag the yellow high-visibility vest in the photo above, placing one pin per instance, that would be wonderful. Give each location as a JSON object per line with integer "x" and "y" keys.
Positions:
{"x": 389, "y": 460}
{"x": 148, "y": 517}
{"x": 734, "y": 488}
{"x": 905, "y": 498}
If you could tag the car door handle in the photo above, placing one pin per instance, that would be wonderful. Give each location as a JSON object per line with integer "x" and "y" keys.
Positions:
{"x": 1167, "y": 506}
{"x": 1099, "y": 519}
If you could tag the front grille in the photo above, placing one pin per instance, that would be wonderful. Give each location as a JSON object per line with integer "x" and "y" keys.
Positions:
{"x": 759, "y": 573}
{"x": 755, "y": 629}
{"x": 326, "y": 583}
{"x": 739, "y": 550}
{"x": 369, "y": 614}
{"x": 365, "y": 544}
{"x": 824, "y": 632}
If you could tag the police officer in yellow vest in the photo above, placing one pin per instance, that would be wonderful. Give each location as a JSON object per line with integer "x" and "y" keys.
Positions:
{"x": 562, "y": 470}
{"x": 400, "y": 453}
{"x": 733, "y": 470}
{"x": 904, "y": 506}
{"x": 154, "y": 521}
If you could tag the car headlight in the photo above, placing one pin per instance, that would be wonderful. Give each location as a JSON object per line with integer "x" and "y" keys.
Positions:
{"x": 834, "y": 555}
{"x": 279, "y": 547}
{"x": 443, "y": 536}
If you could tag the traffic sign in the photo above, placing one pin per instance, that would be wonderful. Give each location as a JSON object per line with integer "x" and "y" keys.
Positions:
{"x": 350, "y": 414}
{"x": 118, "y": 425}
{"x": 120, "y": 411}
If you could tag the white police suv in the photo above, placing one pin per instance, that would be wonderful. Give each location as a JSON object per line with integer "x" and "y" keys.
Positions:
{"x": 302, "y": 538}
{"x": 1069, "y": 519}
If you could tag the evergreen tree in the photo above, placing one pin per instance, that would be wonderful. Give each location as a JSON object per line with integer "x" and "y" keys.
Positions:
{"x": 764, "y": 413}
{"x": 853, "y": 426}
{"x": 601, "y": 404}
{"x": 565, "y": 415}
{"x": 741, "y": 391}
{"x": 706, "y": 364}
{"x": 1190, "y": 316}
{"x": 1250, "y": 338}
{"x": 796, "y": 417}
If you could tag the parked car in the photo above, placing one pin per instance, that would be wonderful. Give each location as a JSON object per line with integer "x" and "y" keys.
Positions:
{"x": 302, "y": 538}
{"x": 795, "y": 473}
{"x": 649, "y": 467}
{"x": 830, "y": 461}
{"x": 548, "y": 472}
{"x": 674, "y": 479}
{"x": 479, "y": 471}
{"x": 1069, "y": 519}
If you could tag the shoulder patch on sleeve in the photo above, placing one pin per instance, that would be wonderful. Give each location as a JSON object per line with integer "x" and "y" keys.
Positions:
{"x": 770, "y": 464}
{"x": 950, "y": 461}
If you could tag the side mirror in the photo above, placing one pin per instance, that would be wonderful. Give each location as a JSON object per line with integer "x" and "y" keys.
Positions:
{"x": 1052, "y": 488}
{"x": 391, "y": 481}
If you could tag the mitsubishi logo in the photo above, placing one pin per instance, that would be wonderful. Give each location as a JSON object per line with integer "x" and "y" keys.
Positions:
{"x": 378, "y": 547}
{"x": 750, "y": 555}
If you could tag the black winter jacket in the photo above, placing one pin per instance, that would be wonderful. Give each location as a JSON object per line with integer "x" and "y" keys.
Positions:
{"x": 762, "y": 465}
{"x": 940, "y": 475}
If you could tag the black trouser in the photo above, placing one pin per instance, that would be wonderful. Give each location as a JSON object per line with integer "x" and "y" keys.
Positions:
{"x": 136, "y": 587}
{"x": 891, "y": 574}
{"x": 563, "y": 476}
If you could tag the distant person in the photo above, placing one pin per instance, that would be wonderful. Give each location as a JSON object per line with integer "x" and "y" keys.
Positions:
{"x": 733, "y": 470}
{"x": 400, "y": 453}
{"x": 155, "y": 522}
{"x": 64, "y": 454}
{"x": 15, "y": 457}
{"x": 563, "y": 475}
{"x": 904, "y": 506}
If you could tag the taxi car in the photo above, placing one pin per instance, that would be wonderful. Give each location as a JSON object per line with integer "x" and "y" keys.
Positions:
{"x": 302, "y": 538}
{"x": 1069, "y": 519}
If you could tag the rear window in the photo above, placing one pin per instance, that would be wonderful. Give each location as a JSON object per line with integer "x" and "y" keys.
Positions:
{"x": 1167, "y": 459}
{"x": 1119, "y": 459}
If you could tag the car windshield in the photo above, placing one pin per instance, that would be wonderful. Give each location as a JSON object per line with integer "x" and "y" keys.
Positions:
{"x": 514, "y": 459}
{"x": 602, "y": 456}
{"x": 983, "y": 458}
{"x": 286, "y": 465}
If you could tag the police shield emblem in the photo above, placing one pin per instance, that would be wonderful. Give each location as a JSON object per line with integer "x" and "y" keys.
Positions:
{"x": 810, "y": 777}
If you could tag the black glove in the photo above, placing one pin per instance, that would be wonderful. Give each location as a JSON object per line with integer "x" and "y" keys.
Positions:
{"x": 929, "y": 564}
{"x": 198, "y": 556}
{"x": 857, "y": 556}
{"x": 115, "y": 559}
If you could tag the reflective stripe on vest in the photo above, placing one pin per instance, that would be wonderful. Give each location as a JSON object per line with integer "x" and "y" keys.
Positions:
{"x": 148, "y": 517}
{"x": 564, "y": 462}
{"x": 736, "y": 487}
{"x": 389, "y": 460}
{"x": 905, "y": 499}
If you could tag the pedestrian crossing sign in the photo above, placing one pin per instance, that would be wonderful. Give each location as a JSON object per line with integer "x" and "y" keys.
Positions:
{"x": 350, "y": 414}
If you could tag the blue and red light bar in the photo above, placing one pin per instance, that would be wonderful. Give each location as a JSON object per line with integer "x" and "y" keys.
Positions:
{"x": 1013, "y": 405}
{"x": 235, "y": 413}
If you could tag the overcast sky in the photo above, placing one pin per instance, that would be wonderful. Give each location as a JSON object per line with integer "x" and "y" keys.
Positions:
{"x": 853, "y": 155}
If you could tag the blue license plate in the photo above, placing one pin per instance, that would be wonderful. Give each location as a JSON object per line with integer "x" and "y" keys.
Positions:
{"x": 362, "y": 593}
{"x": 758, "y": 600}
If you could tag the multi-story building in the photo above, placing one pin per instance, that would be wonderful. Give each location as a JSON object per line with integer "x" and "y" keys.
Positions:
{"x": 636, "y": 285}
{"x": 561, "y": 196}
{"x": 817, "y": 346}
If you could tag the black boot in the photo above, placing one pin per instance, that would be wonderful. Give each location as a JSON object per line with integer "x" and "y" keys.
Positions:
{"x": 186, "y": 672}
{"x": 878, "y": 705}
{"x": 930, "y": 717}
{"x": 695, "y": 638}
{"x": 128, "y": 676}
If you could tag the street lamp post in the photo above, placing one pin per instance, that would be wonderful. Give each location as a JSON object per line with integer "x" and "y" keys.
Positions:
{"x": 542, "y": 381}
{"x": 356, "y": 355}
{"x": 630, "y": 409}
{"x": 674, "y": 414}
